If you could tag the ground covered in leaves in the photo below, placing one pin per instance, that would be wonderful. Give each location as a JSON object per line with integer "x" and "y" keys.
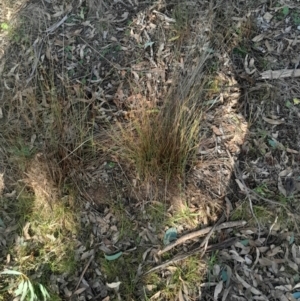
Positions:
{"x": 92, "y": 207}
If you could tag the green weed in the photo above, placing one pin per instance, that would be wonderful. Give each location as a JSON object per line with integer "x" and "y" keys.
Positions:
{"x": 263, "y": 190}
{"x": 185, "y": 216}
{"x": 24, "y": 288}
{"x": 185, "y": 276}
{"x": 124, "y": 269}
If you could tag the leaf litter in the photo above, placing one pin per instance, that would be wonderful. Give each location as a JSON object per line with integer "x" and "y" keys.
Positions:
{"x": 99, "y": 56}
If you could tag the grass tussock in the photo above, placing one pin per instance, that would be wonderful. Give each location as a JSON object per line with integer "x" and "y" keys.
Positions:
{"x": 162, "y": 141}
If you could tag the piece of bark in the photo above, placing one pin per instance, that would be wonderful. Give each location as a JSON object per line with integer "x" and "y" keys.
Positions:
{"x": 276, "y": 74}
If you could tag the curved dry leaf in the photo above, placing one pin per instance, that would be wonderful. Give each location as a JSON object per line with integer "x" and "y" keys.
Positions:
{"x": 248, "y": 286}
{"x": 265, "y": 262}
{"x": 236, "y": 256}
{"x": 218, "y": 290}
{"x": 216, "y": 131}
{"x": 293, "y": 266}
{"x": 281, "y": 187}
{"x": 216, "y": 270}
{"x": 180, "y": 296}
{"x": 156, "y": 296}
{"x": 114, "y": 285}
{"x": 296, "y": 253}
{"x": 292, "y": 151}
{"x": 258, "y": 38}
{"x": 80, "y": 290}
{"x": 225, "y": 294}
{"x": 273, "y": 121}
{"x": 229, "y": 274}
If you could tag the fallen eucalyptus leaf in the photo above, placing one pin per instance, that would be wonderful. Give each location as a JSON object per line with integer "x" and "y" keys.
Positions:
{"x": 114, "y": 285}
{"x": 113, "y": 256}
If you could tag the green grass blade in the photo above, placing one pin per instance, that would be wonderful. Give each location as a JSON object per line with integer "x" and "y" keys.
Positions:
{"x": 10, "y": 272}
{"x": 19, "y": 290}
{"x": 25, "y": 291}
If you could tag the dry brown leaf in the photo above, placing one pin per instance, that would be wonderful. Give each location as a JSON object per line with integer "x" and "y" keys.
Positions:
{"x": 114, "y": 285}
{"x": 281, "y": 187}
{"x": 258, "y": 38}
{"x": 292, "y": 151}
{"x": 218, "y": 290}
{"x": 80, "y": 290}
{"x": 248, "y": 286}
{"x": 180, "y": 296}
{"x": 216, "y": 130}
{"x": 272, "y": 121}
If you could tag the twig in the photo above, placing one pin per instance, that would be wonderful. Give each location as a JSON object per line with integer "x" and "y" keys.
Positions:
{"x": 83, "y": 272}
{"x": 180, "y": 257}
{"x": 239, "y": 176}
{"x": 201, "y": 232}
{"x": 205, "y": 241}
{"x": 56, "y": 25}
{"x": 74, "y": 150}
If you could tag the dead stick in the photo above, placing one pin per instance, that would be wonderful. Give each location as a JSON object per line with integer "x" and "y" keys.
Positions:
{"x": 201, "y": 232}
{"x": 205, "y": 241}
{"x": 82, "y": 274}
{"x": 225, "y": 244}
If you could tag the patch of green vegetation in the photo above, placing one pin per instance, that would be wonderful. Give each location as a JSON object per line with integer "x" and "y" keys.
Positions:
{"x": 295, "y": 15}
{"x": 125, "y": 224}
{"x": 187, "y": 275}
{"x": 117, "y": 48}
{"x": 156, "y": 213}
{"x": 211, "y": 262}
{"x": 4, "y": 26}
{"x": 44, "y": 246}
{"x": 214, "y": 86}
{"x": 240, "y": 50}
{"x": 184, "y": 216}
{"x": 105, "y": 51}
{"x": 262, "y": 213}
{"x": 24, "y": 288}
{"x": 282, "y": 13}
{"x": 285, "y": 11}
{"x": 241, "y": 212}
{"x": 22, "y": 207}
{"x": 263, "y": 63}
{"x": 181, "y": 14}
{"x": 123, "y": 269}
{"x": 21, "y": 152}
{"x": 263, "y": 190}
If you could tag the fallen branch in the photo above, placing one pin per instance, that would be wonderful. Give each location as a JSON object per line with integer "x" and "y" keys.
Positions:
{"x": 201, "y": 232}
{"x": 284, "y": 73}
{"x": 222, "y": 245}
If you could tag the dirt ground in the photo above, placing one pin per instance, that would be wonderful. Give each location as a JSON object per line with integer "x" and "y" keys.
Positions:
{"x": 78, "y": 217}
